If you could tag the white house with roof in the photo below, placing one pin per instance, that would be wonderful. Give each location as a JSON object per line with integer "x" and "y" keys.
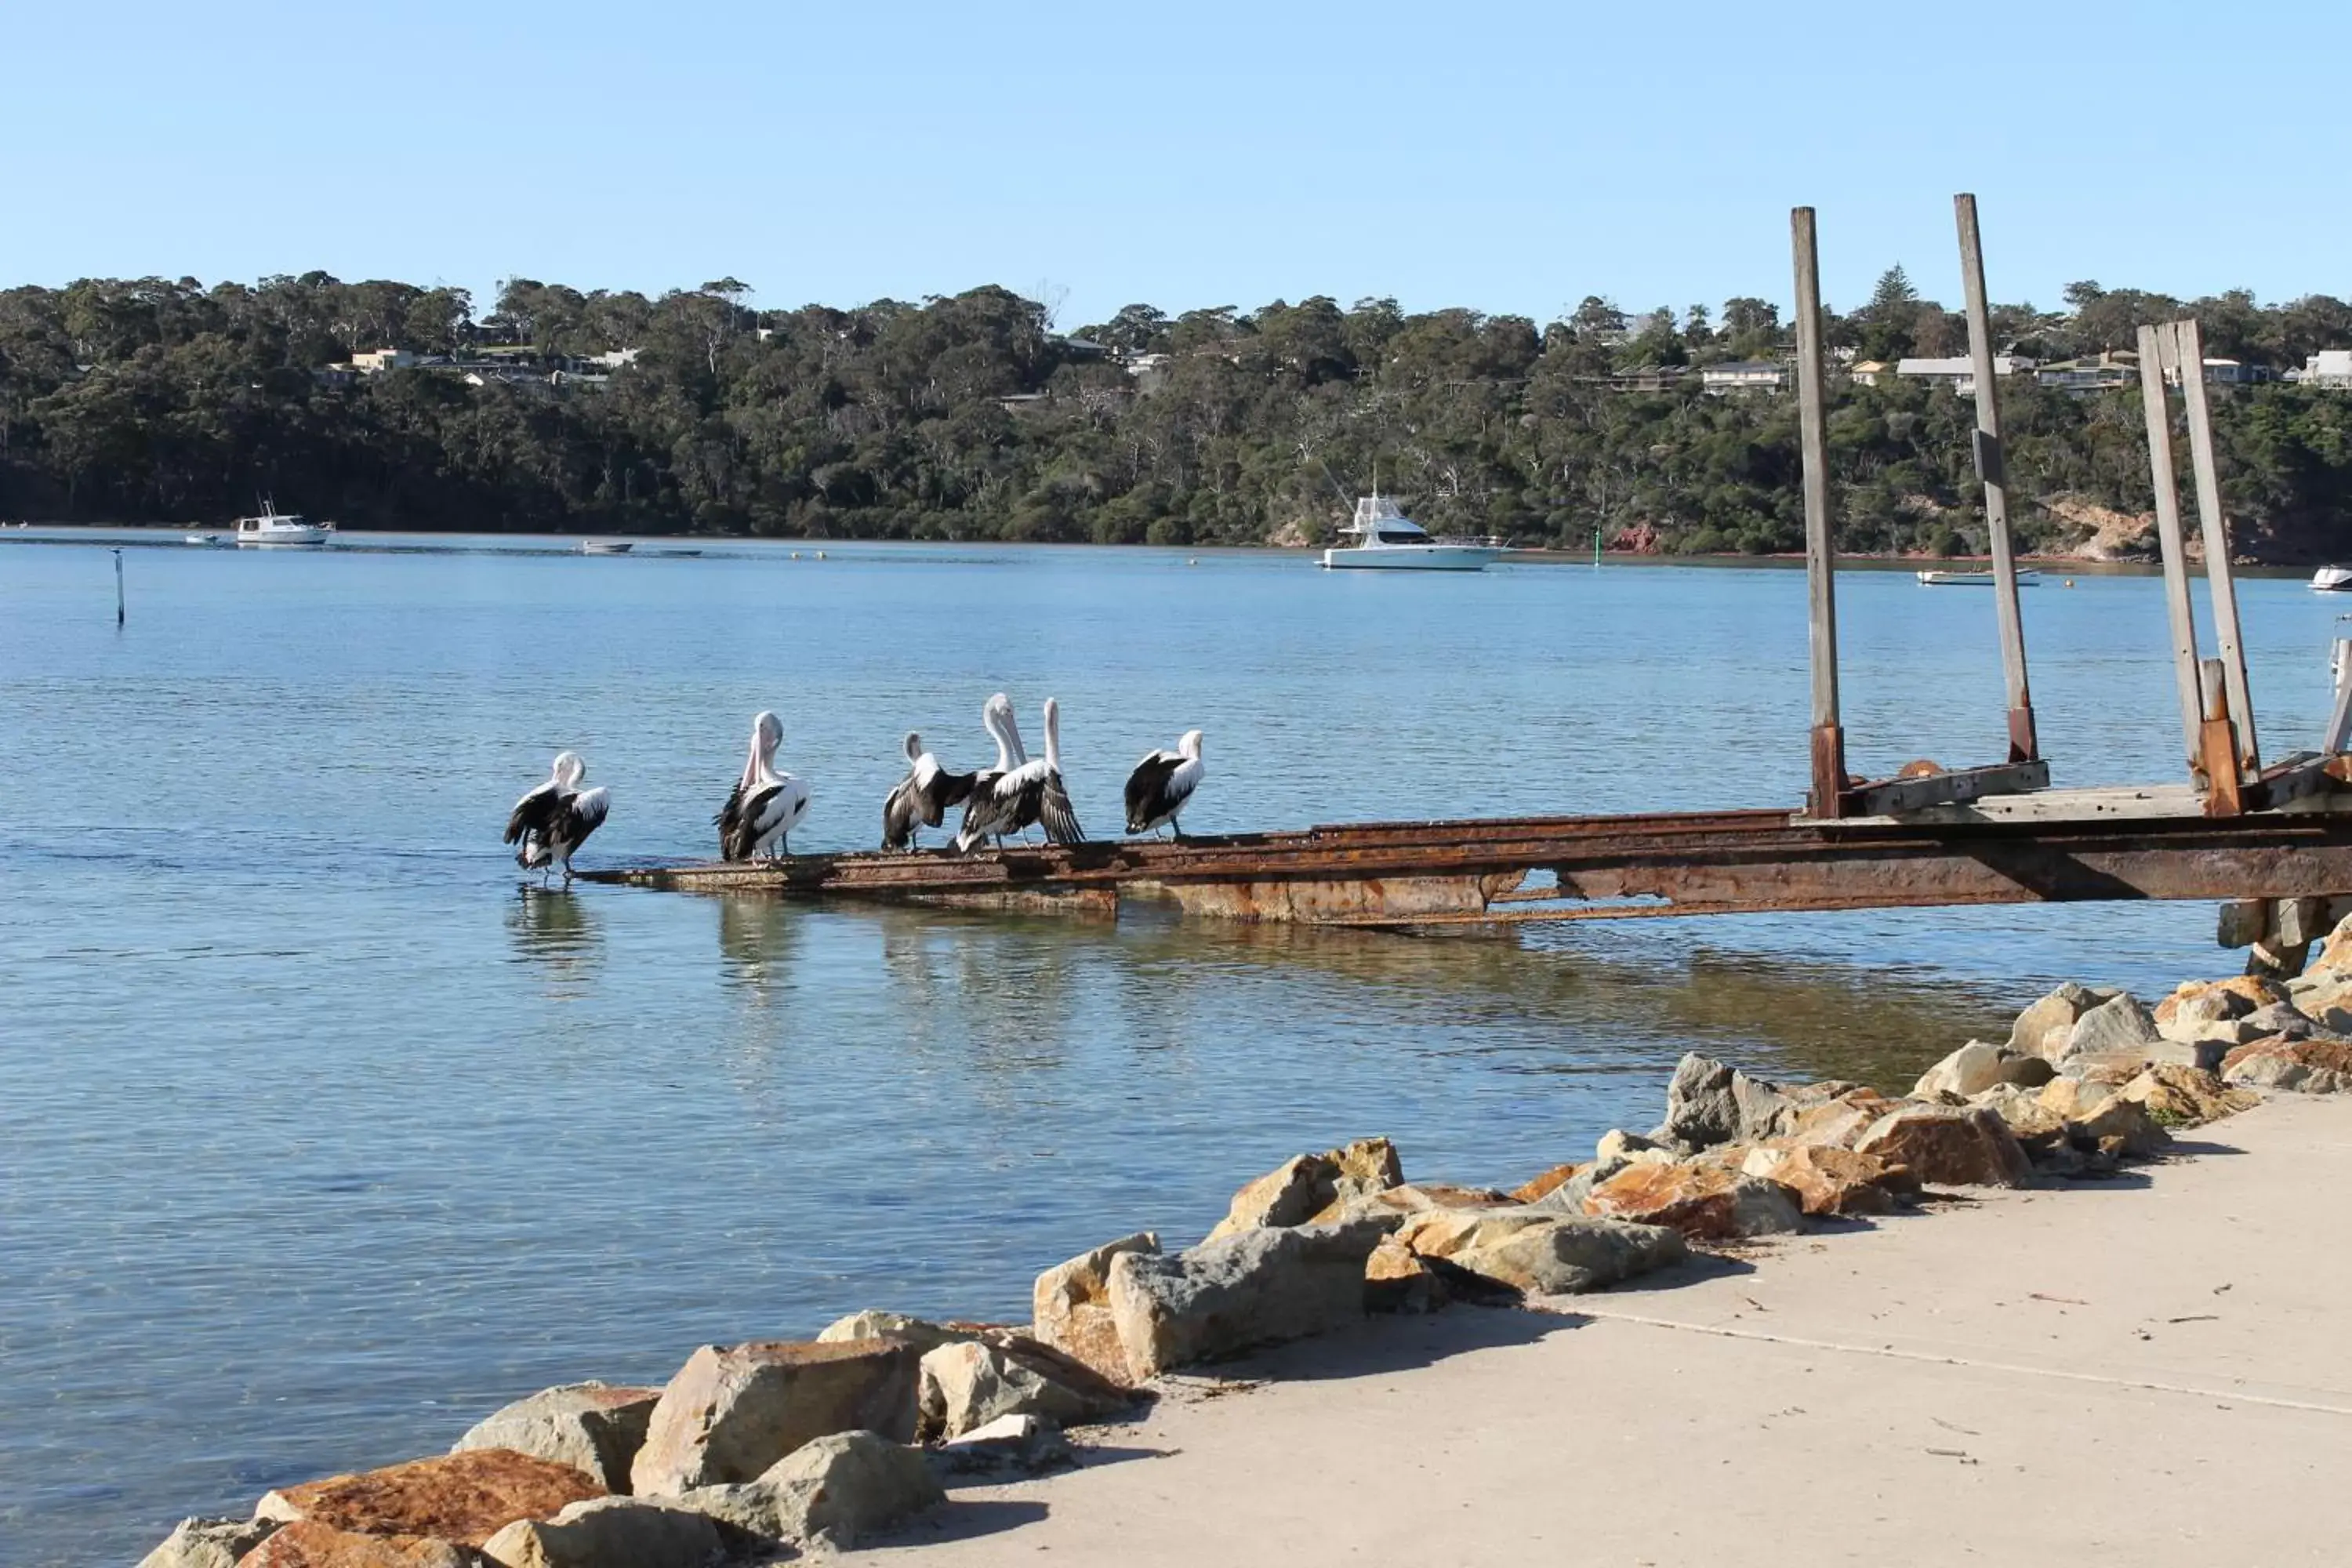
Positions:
{"x": 1959, "y": 373}
{"x": 1744, "y": 375}
{"x": 2331, "y": 368}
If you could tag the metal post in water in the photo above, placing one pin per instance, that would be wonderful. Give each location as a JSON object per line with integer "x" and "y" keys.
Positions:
{"x": 118, "y": 588}
{"x": 2024, "y": 746}
{"x": 1828, "y": 771}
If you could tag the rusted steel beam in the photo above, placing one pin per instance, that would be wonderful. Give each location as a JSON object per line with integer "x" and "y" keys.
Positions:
{"x": 1692, "y": 863}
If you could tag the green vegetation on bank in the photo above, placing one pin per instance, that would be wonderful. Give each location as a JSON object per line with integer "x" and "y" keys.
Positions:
{"x": 969, "y": 417}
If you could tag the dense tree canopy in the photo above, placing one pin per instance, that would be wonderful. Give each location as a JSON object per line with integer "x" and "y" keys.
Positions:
{"x": 967, "y": 417}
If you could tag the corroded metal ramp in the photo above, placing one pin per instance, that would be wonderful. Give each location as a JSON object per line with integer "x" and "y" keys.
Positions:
{"x": 2050, "y": 847}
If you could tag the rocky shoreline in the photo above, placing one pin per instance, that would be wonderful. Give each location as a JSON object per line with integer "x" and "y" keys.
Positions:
{"x": 766, "y": 1450}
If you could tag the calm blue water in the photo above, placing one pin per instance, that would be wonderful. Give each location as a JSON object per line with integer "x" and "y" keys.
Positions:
{"x": 318, "y": 1140}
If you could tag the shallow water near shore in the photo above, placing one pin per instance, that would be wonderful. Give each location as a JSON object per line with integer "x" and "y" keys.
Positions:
{"x": 318, "y": 1139}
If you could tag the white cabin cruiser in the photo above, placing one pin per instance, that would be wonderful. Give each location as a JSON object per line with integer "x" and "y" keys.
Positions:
{"x": 2332, "y": 579}
{"x": 275, "y": 527}
{"x": 1386, "y": 537}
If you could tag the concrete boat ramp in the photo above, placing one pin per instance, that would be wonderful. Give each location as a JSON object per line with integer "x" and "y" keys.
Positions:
{"x": 2148, "y": 1371}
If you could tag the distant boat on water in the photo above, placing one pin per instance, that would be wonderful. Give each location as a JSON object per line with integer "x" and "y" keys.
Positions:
{"x": 2332, "y": 580}
{"x": 209, "y": 539}
{"x": 608, "y": 546}
{"x": 1387, "y": 539}
{"x": 275, "y": 527}
{"x": 2026, "y": 578}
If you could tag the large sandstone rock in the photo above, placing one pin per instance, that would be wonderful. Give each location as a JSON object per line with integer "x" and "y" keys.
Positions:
{"x": 1536, "y": 1252}
{"x": 1007, "y": 1447}
{"x": 2072, "y": 1099}
{"x": 1070, "y": 1305}
{"x": 592, "y": 1426}
{"x": 1413, "y": 1197}
{"x": 1978, "y": 1066}
{"x": 2304, "y": 1065}
{"x": 2115, "y": 1025}
{"x": 609, "y": 1532}
{"x": 2040, "y": 1131}
{"x": 2055, "y": 1013}
{"x": 1837, "y": 1122}
{"x": 1706, "y": 1203}
{"x": 1710, "y": 1102}
{"x": 2218, "y": 1000}
{"x": 1949, "y": 1145}
{"x": 464, "y": 1498}
{"x": 2187, "y": 1097}
{"x": 1223, "y": 1297}
{"x": 1399, "y": 1280}
{"x": 923, "y": 1334}
{"x": 830, "y": 1492}
{"x": 1529, "y": 1191}
{"x": 734, "y": 1410}
{"x": 2119, "y": 1128}
{"x": 209, "y": 1543}
{"x": 971, "y": 1383}
{"x": 310, "y": 1544}
{"x": 1829, "y": 1180}
{"x": 1304, "y": 1186}
{"x": 2283, "y": 1019}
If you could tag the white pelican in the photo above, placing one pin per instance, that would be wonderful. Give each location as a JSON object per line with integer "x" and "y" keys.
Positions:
{"x": 922, "y": 798}
{"x": 1162, "y": 783}
{"x": 993, "y": 806}
{"x": 553, "y": 821}
{"x": 1053, "y": 805}
{"x": 765, "y": 806}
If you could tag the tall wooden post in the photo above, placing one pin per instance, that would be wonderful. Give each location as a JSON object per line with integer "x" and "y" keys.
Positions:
{"x": 1820, "y": 556}
{"x": 2218, "y": 571}
{"x": 2024, "y": 746}
{"x": 2155, "y": 348}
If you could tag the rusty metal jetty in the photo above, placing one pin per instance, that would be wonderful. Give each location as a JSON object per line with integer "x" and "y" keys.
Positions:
{"x": 2276, "y": 841}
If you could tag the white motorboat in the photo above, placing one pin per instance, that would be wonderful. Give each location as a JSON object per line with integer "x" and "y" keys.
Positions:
{"x": 275, "y": 527}
{"x": 2332, "y": 579}
{"x": 2027, "y": 578}
{"x": 1387, "y": 539}
{"x": 608, "y": 546}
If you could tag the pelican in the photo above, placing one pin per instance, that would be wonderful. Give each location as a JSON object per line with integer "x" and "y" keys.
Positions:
{"x": 553, "y": 821}
{"x": 1162, "y": 783}
{"x": 1053, "y": 805}
{"x": 765, "y": 806}
{"x": 991, "y": 810}
{"x": 922, "y": 798}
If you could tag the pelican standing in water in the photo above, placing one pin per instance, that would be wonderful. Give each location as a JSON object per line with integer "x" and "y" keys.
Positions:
{"x": 922, "y": 798}
{"x": 765, "y": 806}
{"x": 553, "y": 821}
{"x": 1162, "y": 783}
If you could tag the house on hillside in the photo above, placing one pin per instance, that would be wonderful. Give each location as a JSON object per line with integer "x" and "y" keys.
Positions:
{"x": 2330, "y": 368}
{"x": 1868, "y": 373}
{"x": 1744, "y": 375}
{"x": 1644, "y": 378}
{"x": 1960, "y": 372}
{"x": 2092, "y": 372}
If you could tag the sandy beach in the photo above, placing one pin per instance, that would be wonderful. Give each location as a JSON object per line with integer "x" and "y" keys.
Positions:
{"x": 2146, "y": 1370}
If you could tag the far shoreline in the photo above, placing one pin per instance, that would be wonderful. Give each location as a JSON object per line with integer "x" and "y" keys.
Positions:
{"x": 37, "y": 532}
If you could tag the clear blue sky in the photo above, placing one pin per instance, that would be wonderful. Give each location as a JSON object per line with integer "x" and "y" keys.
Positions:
{"x": 1507, "y": 157}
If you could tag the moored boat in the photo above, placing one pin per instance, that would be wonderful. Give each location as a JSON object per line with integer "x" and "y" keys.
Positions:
{"x": 275, "y": 527}
{"x": 2332, "y": 579}
{"x": 608, "y": 546}
{"x": 2026, "y": 578}
{"x": 1387, "y": 539}
{"x": 207, "y": 540}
